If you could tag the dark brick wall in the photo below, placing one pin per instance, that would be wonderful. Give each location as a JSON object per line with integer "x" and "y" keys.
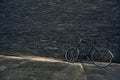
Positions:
{"x": 48, "y": 27}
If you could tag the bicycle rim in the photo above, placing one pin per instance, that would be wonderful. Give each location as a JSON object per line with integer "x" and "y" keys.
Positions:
{"x": 102, "y": 58}
{"x": 72, "y": 54}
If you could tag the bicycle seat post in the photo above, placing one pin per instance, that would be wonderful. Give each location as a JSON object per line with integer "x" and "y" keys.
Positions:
{"x": 80, "y": 40}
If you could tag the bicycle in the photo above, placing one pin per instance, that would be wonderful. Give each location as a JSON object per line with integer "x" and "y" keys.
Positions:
{"x": 99, "y": 56}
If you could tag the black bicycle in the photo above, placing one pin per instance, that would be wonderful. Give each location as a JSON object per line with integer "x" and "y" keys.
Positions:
{"x": 101, "y": 57}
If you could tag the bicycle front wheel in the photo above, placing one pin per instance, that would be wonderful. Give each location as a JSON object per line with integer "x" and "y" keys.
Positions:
{"x": 102, "y": 58}
{"x": 72, "y": 54}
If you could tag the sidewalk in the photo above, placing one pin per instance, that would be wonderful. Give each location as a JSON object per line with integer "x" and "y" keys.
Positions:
{"x": 40, "y": 68}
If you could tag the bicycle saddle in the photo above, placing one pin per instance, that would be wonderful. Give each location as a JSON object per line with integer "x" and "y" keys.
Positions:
{"x": 82, "y": 41}
{"x": 87, "y": 40}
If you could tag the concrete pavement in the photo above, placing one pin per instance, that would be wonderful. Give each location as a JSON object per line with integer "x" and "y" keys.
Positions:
{"x": 40, "y": 68}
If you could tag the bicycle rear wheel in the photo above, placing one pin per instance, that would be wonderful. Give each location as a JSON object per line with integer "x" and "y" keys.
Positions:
{"x": 72, "y": 54}
{"x": 101, "y": 57}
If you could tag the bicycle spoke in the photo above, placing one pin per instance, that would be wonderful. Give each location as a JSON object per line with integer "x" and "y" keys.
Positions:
{"x": 102, "y": 58}
{"x": 71, "y": 54}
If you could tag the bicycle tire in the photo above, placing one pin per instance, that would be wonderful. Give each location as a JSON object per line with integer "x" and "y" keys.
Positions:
{"x": 72, "y": 54}
{"x": 102, "y": 59}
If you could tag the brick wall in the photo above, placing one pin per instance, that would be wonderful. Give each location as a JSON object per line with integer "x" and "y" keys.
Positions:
{"x": 48, "y": 27}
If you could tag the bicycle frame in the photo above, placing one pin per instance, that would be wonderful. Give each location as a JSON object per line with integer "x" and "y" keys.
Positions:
{"x": 93, "y": 47}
